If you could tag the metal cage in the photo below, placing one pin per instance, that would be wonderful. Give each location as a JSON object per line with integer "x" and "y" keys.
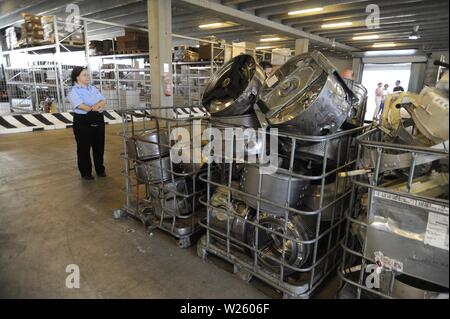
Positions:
{"x": 396, "y": 243}
{"x": 158, "y": 192}
{"x": 284, "y": 228}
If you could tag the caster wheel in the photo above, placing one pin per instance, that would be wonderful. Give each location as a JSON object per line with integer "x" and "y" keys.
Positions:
{"x": 118, "y": 213}
{"x": 242, "y": 274}
{"x": 201, "y": 252}
{"x": 184, "y": 242}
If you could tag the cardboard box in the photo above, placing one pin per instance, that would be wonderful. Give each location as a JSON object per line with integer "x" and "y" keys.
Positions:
{"x": 185, "y": 54}
{"x": 125, "y": 44}
{"x": 204, "y": 53}
{"x": 135, "y": 35}
{"x": 31, "y": 18}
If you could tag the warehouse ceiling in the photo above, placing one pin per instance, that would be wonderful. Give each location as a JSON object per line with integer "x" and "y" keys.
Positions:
{"x": 330, "y": 24}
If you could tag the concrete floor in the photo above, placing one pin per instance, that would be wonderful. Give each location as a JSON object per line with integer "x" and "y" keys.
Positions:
{"x": 50, "y": 218}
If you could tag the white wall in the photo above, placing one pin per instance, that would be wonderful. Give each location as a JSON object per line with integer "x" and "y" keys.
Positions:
{"x": 386, "y": 74}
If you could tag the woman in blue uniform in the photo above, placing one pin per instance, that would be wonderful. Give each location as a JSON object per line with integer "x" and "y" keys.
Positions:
{"x": 88, "y": 123}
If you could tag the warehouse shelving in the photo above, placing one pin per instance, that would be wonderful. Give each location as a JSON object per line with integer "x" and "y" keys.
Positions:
{"x": 24, "y": 91}
{"x": 189, "y": 78}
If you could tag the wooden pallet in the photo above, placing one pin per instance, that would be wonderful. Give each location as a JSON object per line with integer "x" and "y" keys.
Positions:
{"x": 241, "y": 265}
{"x": 73, "y": 43}
{"x": 131, "y": 51}
{"x": 38, "y": 44}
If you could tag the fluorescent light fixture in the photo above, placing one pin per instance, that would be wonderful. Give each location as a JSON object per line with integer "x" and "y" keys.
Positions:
{"x": 384, "y": 45}
{"x": 292, "y": 13}
{"x": 391, "y": 53}
{"x": 212, "y": 25}
{"x": 270, "y": 39}
{"x": 367, "y": 37}
{"x": 263, "y": 48}
{"x": 337, "y": 25}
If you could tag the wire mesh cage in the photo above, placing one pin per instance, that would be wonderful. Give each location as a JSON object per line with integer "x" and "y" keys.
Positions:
{"x": 396, "y": 243}
{"x": 159, "y": 191}
{"x": 281, "y": 225}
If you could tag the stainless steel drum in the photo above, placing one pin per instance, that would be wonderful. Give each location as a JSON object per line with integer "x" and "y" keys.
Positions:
{"x": 173, "y": 198}
{"x": 336, "y": 150}
{"x": 145, "y": 146}
{"x": 274, "y": 188}
{"x": 248, "y": 120}
{"x": 150, "y": 172}
{"x": 233, "y": 89}
{"x": 250, "y": 141}
{"x": 331, "y": 192}
{"x": 190, "y": 167}
{"x": 306, "y": 96}
{"x": 406, "y": 287}
{"x": 239, "y": 228}
{"x": 357, "y": 111}
{"x": 271, "y": 244}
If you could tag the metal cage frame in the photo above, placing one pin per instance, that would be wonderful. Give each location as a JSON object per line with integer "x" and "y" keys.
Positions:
{"x": 368, "y": 181}
{"x": 246, "y": 257}
{"x": 161, "y": 124}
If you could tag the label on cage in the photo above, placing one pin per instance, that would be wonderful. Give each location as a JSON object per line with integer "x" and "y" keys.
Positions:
{"x": 272, "y": 80}
{"x": 387, "y": 263}
{"x": 437, "y": 231}
{"x": 412, "y": 202}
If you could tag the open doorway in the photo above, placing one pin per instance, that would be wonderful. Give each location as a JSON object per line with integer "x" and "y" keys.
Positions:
{"x": 386, "y": 74}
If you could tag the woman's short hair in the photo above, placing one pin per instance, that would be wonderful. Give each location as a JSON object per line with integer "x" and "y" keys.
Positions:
{"x": 76, "y": 72}
{"x": 266, "y": 65}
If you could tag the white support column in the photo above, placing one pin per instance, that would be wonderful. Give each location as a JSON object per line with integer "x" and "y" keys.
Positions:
{"x": 301, "y": 46}
{"x": 357, "y": 68}
{"x": 160, "y": 46}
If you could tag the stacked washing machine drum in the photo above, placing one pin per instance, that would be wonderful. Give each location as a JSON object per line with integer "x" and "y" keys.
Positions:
{"x": 234, "y": 88}
{"x": 304, "y": 97}
{"x": 307, "y": 96}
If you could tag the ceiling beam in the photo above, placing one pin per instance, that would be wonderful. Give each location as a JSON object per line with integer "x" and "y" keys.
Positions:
{"x": 281, "y": 12}
{"x": 387, "y": 27}
{"x": 252, "y": 5}
{"x": 355, "y": 12}
{"x": 260, "y": 23}
{"x": 40, "y": 8}
{"x": 418, "y": 17}
{"x": 126, "y": 9}
{"x": 277, "y": 11}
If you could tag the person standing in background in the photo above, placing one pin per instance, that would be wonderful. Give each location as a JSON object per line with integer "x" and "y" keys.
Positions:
{"x": 88, "y": 123}
{"x": 385, "y": 91}
{"x": 378, "y": 100}
{"x": 398, "y": 87}
{"x": 268, "y": 67}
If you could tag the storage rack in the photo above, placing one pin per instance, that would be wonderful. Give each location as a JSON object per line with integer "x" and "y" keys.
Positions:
{"x": 124, "y": 86}
{"x": 397, "y": 193}
{"x": 318, "y": 228}
{"x": 140, "y": 200}
{"x": 40, "y": 80}
{"x": 190, "y": 80}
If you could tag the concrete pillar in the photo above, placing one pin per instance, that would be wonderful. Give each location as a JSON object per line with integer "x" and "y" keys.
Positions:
{"x": 357, "y": 68}
{"x": 160, "y": 46}
{"x": 301, "y": 46}
{"x": 228, "y": 52}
